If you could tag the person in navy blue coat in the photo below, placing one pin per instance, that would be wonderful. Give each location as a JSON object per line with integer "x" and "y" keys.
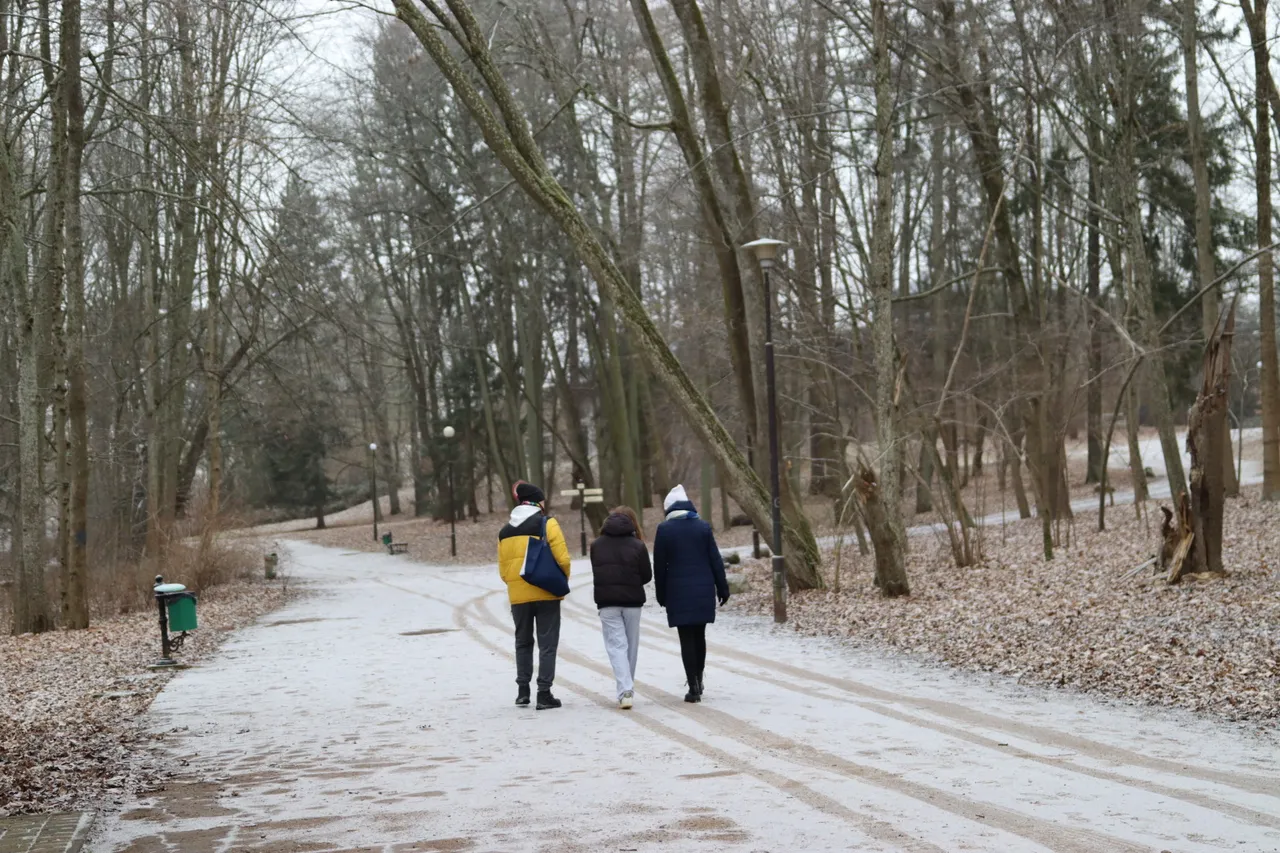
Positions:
{"x": 688, "y": 574}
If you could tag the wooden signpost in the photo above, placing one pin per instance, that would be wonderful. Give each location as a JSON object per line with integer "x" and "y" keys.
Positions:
{"x": 585, "y": 496}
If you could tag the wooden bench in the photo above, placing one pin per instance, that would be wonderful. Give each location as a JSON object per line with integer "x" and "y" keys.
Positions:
{"x": 397, "y": 547}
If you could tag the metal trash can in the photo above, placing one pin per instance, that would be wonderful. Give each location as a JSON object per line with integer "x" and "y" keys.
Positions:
{"x": 182, "y": 613}
{"x": 269, "y": 563}
{"x": 177, "y": 609}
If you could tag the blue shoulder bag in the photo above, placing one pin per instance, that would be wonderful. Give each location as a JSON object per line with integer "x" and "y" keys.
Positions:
{"x": 541, "y": 568}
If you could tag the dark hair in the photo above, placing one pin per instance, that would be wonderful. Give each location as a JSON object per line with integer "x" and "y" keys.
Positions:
{"x": 631, "y": 514}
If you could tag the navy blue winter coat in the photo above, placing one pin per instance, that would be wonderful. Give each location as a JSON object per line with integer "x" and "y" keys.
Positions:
{"x": 688, "y": 571}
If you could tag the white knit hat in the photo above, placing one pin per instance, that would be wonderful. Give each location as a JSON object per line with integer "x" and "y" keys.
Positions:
{"x": 676, "y": 495}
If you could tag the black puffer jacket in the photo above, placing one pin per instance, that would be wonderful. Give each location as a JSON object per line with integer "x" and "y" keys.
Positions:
{"x": 620, "y": 564}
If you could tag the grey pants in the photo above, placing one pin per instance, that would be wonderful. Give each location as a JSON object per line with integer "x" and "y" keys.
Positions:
{"x": 621, "y": 628}
{"x": 545, "y": 615}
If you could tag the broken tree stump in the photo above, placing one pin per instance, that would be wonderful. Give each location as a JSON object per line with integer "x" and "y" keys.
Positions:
{"x": 891, "y": 573}
{"x": 1193, "y": 536}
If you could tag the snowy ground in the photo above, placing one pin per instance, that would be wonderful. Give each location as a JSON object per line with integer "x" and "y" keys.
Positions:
{"x": 377, "y": 715}
{"x": 1153, "y": 456}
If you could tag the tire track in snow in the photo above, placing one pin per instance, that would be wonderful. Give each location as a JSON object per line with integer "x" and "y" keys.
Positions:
{"x": 873, "y": 827}
{"x": 1267, "y": 786}
{"x": 1253, "y": 816}
{"x": 1029, "y": 731}
{"x": 965, "y": 715}
{"x": 579, "y": 612}
{"x": 1047, "y": 833}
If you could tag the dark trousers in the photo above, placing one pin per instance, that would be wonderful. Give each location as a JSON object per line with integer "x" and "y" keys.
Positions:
{"x": 693, "y": 650}
{"x": 545, "y": 617}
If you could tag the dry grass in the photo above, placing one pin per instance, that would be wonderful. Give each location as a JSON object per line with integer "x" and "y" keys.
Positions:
{"x": 119, "y": 584}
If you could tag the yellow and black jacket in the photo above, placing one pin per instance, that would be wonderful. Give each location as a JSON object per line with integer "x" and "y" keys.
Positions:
{"x": 513, "y": 541}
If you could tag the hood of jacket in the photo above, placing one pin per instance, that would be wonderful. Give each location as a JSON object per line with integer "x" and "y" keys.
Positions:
{"x": 522, "y": 515}
{"x": 619, "y": 564}
{"x": 618, "y": 525}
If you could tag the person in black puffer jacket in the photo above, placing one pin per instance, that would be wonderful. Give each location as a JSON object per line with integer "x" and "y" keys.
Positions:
{"x": 620, "y": 565}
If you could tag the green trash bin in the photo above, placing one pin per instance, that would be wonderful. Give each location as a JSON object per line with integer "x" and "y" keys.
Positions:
{"x": 182, "y": 613}
{"x": 386, "y": 539}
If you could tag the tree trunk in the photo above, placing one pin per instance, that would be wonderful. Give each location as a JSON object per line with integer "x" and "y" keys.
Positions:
{"x": 714, "y": 217}
{"x": 152, "y": 382}
{"x": 890, "y": 575}
{"x": 30, "y": 606}
{"x": 511, "y": 140}
{"x": 578, "y": 443}
{"x": 1205, "y": 267}
{"x": 1270, "y": 378}
{"x": 654, "y": 444}
{"x": 1094, "y": 392}
{"x": 924, "y": 466}
{"x": 480, "y": 364}
{"x": 1137, "y": 471}
{"x": 1015, "y": 474}
{"x": 529, "y": 330}
{"x": 1040, "y": 447}
{"x": 741, "y": 215}
{"x": 979, "y": 443}
{"x": 30, "y": 599}
{"x": 829, "y": 446}
{"x": 1142, "y": 295}
{"x": 938, "y": 308}
{"x": 887, "y": 532}
{"x": 603, "y": 341}
{"x": 75, "y": 585}
{"x": 619, "y": 414}
{"x": 726, "y": 517}
{"x": 1206, "y": 435}
{"x": 213, "y": 389}
{"x": 739, "y": 205}
{"x": 507, "y": 364}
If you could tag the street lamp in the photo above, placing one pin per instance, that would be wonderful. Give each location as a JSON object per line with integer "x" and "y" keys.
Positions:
{"x": 373, "y": 484}
{"x": 766, "y": 250}
{"x": 449, "y": 433}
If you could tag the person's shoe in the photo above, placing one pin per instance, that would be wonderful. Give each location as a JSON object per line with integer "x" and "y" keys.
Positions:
{"x": 522, "y": 695}
{"x": 546, "y": 700}
{"x": 626, "y": 701}
{"x": 697, "y": 686}
{"x": 693, "y": 695}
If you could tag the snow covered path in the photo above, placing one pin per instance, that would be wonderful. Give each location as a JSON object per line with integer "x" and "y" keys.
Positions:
{"x": 377, "y": 715}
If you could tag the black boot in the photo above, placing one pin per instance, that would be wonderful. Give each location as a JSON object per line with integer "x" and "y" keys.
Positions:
{"x": 698, "y": 687}
{"x": 695, "y": 692}
{"x": 546, "y": 700}
{"x": 522, "y": 695}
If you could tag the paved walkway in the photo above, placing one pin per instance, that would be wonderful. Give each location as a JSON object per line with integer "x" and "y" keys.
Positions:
{"x": 52, "y": 833}
{"x": 377, "y": 716}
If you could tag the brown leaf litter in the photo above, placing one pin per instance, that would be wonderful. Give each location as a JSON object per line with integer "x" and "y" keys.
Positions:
{"x": 70, "y": 701}
{"x": 1084, "y": 621}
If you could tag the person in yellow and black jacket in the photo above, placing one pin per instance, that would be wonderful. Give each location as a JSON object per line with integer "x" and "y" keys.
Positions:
{"x": 532, "y": 608}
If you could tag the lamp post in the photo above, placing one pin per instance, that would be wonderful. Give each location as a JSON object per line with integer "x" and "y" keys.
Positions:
{"x": 449, "y": 433}
{"x": 582, "y": 515}
{"x": 766, "y": 250}
{"x": 373, "y": 484}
